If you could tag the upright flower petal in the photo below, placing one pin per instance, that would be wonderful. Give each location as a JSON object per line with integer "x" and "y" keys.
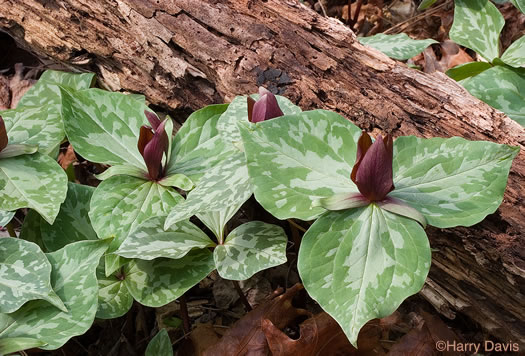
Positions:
{"x": 363, "y": 144}
{"x": 372, "y": 172}
{"x": 145, "y": 136}
{"x": 3, "y": 134}
{"x": 154, "y": 150}
{"x": 265, "y": 108}
{"x": 153, "y": 119}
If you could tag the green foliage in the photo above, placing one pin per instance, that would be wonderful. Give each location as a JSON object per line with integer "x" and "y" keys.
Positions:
{"x": 398, "y": 46}
{"x": 160, "y": 345}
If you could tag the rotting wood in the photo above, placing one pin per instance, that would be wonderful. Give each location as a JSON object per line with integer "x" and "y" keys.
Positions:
{"x": 186, "y": 54}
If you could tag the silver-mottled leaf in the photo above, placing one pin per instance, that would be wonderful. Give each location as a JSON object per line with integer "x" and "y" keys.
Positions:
{"x": 33, "y": 181}
{"x": 73, "y": 279}
{"x": 451, "y": 181}
{"x": 150, "y": 240}
{"x": 6, "y": 217}
{"x": 477, "y": 25}
{"x": 360, "y": 264}
{"x": 515, "y": 55}
{"x": 294, "y": 160}
{"x": 160, "y": 345}
{"x": 160, "y": 281}
{"x": 398, "y": 46}
{"x": 114, "y": 299}
{"x": 24, "y": 275}
{"x": 250, "y": 248}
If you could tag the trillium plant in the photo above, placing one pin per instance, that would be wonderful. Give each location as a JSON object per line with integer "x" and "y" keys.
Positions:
{"x": 88, "y": 252}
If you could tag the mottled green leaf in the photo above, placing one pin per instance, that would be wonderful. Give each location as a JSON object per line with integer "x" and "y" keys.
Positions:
{"x": 73, "y": 279}
{"x": 451, "y": 181}
{"x": 477, "y": 25}
{"x": 398, "y": 46}
{"x": 121, "y": 203}
{"x": 33, "y": 181}
{"x": 502, "y": 88}
{"x": 360, "y": 264}
{"x": 104, "y": 126}
{"x": 238, "y": 112}
{"x": 15, "y": 344}
{"x": 160, "y": 281}
{"x": 6, "y": 217}
{"x": 216, "y": 220}
{"x": 250, "y": 248}
{"x": 150, "y": 240}
{"x": 47, "y": 90}
{"x": 72, "y": 223}
{"x": 177, "y": 180}
{"x": 197, "y": 146}
{"x": 114, "y": 299}
{"x": 225, "y": 185}
{"x": 38, "y": 117}
{"x": 467, "y": 70}
{"x": 294, "y": 160}
{"x": 515, "y": 55}
{"x": 160, "y": 345}
{"x": 24, "y": 275}
{"x": 122, "y": 169}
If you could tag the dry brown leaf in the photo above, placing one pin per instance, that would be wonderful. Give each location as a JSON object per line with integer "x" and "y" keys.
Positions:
{"x": 452, "y": 55}
{"x": 65, "y": 159}
{"x": 246, "y": 336}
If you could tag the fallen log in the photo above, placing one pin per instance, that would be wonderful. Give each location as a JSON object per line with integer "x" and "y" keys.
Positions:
{"x": 185, "y": 54}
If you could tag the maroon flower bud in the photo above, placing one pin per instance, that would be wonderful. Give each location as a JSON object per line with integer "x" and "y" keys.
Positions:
{"x": 153, "y": 143}
{"x": 265, "y": 108}
{"x": 3, "y": 134}
{"x": 372, "y": 172}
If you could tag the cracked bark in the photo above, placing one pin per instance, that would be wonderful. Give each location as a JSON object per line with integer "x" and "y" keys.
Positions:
{"x": 186, "y": 54}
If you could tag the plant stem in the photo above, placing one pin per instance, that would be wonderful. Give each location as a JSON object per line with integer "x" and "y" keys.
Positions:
{"x": 184, "y": 314}
{"x": 242, "y": 296}
{"x": 11, "y": 230}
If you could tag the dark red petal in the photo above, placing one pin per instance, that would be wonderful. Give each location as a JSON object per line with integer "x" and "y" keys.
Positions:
{"x": 374, "y": 174}
{"x": 145, "y": 136}
{"x": 251, "y": 103}
{"x": 3, "y": 134}
{"x": 154, "y": 150}
{"x": 363, "y": 144}
{"x": 153, "y": 119}
{"x": 266, "y": 107}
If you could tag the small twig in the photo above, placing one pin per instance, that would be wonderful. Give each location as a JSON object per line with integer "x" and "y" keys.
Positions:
{"x": 242, "y": 296}
{"x": 417, "y": 18}
{"x": 323, "y": 9}
{"x": 184, "y": 314}
{"x": 11, "y": 229}
{"x": 299, "y": 227}
{"x": 357, "y": 11}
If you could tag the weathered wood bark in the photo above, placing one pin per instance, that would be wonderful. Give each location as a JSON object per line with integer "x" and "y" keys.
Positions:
{"x": 186, "y": 54}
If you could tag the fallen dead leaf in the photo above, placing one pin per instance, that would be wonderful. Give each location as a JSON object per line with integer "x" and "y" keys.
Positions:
{"x": 65, "y": 159}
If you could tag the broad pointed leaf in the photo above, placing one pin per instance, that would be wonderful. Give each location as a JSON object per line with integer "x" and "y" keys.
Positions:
{"x": 160, "y": 281}
{"x": 451, "y": 181}
{"x": 31, "y": 229}
{"x": 398, "y": 46}
{"x": 72, "y": 223}
{"x": 360, "y": 264}
{"x": 24, "y": 275}
{"x": 520, "y": 4}
{"x": 73, "y": 278}
{"x": 33, "y": 181}
{"x": 150, "y": 240}
{"x": 6, "y": 217}
{"x": 103, "y": 126}
{"x": 238, "y": 112}
{"x": 217, "y": 220}
{"x": 515, "y": 55}
{"x": 477, "y": 25}
{"x": 121, "y": 203}
{"x": 294, "y": 160}
{"x": 502, "y": 88}
{"x": 38, "y": 117}
{"x": 197, "y": 146}
{"x": 250, "y": 248}
{"x": 225, "y": 185}
{"x": 160, "y": 345}
{"x": 114, "y": 299}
